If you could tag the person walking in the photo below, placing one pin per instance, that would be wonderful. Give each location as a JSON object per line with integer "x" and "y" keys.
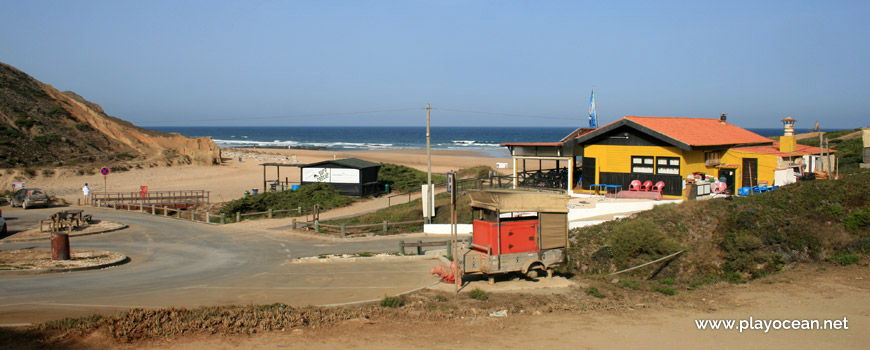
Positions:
{"x": 87, "y": 192}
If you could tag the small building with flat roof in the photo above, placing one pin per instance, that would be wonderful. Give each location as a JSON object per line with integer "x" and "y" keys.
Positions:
{"x": 351, "y": 177}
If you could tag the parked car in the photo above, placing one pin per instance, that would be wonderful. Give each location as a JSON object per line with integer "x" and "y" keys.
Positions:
{"x": 30, "y": 197}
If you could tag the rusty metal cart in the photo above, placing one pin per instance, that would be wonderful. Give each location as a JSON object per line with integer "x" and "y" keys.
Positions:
{"x": 516, "y": 231}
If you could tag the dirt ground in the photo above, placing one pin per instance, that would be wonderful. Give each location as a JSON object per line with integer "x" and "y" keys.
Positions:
{"x": 624, "y": 319}
{"x": 40, "y": 259}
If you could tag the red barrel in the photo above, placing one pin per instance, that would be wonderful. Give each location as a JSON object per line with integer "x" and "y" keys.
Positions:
{"x": 59, "y": 246}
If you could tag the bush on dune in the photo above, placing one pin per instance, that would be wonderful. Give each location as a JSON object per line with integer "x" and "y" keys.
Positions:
{"x": 322, "y": 194}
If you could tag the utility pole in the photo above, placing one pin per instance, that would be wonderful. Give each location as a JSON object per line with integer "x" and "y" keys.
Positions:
{"x": 429, "y": 166}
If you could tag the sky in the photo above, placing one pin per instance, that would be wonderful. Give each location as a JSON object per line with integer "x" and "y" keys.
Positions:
{"x": 478, "y": 63}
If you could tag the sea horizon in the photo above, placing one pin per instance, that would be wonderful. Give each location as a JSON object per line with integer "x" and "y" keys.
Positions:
{"x": 486, "y": 140}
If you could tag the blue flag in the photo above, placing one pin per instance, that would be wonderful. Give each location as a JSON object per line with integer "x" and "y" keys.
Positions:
{"x": 593, "y": 119}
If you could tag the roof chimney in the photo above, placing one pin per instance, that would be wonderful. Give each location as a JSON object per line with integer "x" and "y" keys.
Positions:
{"x": 722, "y": 118}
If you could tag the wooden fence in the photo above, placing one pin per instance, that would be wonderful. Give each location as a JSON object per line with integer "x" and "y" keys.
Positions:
{"x": 172, "y": 199}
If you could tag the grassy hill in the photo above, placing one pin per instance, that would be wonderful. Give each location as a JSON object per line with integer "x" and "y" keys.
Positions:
{"x": 43, "y": 127}
{"x": 740, "y": 239}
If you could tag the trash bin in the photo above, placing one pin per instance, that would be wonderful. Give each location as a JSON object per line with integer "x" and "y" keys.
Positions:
{"x": 255, "y": 191}
{"x": 387, "y": 188}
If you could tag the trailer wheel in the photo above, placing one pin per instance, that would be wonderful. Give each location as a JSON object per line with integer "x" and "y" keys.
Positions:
{"x": 532, "y": 274}
{"x": 534, "y": 270}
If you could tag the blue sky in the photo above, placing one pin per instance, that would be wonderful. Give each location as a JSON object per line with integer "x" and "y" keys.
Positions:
{"x": 201, "y": 63}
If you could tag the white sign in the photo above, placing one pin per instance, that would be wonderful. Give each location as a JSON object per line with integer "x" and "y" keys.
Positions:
{"x": 501, "y": 165}
{"x": 330, "y": 175}
{"x": 344, "y": 176}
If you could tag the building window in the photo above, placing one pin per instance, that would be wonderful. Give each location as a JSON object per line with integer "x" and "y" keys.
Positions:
{"x": 712, "y": 158}
{"x": 668, "y": 165}
{"x": 642, "y": 164}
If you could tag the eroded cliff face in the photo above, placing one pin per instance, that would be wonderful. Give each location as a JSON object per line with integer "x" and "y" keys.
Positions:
{"x": 41, "y": 126}
{"x": 153, "y": 145}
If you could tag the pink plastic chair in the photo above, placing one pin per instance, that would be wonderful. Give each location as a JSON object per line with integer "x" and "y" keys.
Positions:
{"x": 659, "y": 186}
{"x": 634, "y": 186}
{"x": 719, "y": 187}
{"x": 646, "y": 185}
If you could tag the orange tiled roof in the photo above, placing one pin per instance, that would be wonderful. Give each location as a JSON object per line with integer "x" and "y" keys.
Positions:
{"x": 700, "y": 131}
{"x": 774, "y": 150}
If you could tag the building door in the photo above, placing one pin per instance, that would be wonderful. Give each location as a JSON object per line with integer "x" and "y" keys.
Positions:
{"x": 750, "y": 172}
{"x": 588, "y": 172}
{"x": 728, "y": 176}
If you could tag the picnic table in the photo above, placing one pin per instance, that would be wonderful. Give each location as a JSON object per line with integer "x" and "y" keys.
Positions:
{"x": 68, "y": 219}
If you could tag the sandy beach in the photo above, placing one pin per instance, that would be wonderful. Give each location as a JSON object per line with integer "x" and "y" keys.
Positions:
{"x": 232, "y": 178}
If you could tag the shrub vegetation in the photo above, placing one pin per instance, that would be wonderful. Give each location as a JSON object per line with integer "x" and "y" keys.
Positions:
{"x": 322, "y": 194}
{"x": 736, "y": 240}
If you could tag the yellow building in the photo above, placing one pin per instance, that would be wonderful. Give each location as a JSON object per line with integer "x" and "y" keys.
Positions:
{"x": 670, "y": 150}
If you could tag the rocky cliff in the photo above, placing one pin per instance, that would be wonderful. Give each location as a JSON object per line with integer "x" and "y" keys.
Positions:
{"x": 41, "y": 126}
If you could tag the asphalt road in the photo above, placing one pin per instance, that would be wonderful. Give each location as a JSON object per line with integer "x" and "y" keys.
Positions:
{"x": 185, "y": 264}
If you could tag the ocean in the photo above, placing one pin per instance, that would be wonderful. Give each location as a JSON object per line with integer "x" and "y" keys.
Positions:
{"x": 349, "y": 138}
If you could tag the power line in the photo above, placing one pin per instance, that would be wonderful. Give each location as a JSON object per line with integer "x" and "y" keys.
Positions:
{"x": 285, "y": 116}
{"x": 504, "y": 114}
{"x": 356, "y": 113}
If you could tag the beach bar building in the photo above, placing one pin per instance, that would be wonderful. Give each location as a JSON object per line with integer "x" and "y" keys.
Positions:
{"x": 351, "y": 177}
{"x": 670, "y": 150}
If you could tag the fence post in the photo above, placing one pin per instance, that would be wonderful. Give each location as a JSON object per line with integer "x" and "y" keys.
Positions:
{"x": 238, "y": 216}
{"x": 419, "y": 247}
{"x": 270, "y": 213}
{"x": 317, "y": 226}
{"x": 141, "y": 209}
{"x": 193, "y": 215}
{"x": 153, "y": 210}
{"x": 449, "y": 250}
{"x": 299, "y": 209}
{"x": 207, "y": 217}
{"x": 178, "y": 212}
{"x": 386, "y": 225}
{"x": 99, "y": 203}
{"x": 401, "y": 248}
{"x": 343, "y": 230}
{"x": 293, "y": 223}
{"x": 223, "y": 219}
{"x": 165, "y": 211}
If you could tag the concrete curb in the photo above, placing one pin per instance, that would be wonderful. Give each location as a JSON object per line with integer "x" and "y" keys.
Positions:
{"x": 122, "y": 260}
{"x": 22, "y": 240}
{"x": 428, "y": 255}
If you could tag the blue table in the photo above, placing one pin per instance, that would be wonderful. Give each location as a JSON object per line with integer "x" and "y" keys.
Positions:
{"x": 599, "y": 187}
{"x": 616, "y": 189}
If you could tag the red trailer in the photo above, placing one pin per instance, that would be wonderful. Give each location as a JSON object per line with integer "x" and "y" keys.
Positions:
{"x": 516, "y": 232}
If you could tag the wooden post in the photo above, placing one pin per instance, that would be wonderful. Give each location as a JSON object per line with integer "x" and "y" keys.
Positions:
{"x": 386, "y": 225}
{"x": 343, "y": 230}
{"x": 165, "y": 211}
{"x": 293, "y": 223}
{"x": 270, "y": 213}
{"x": 207, "y": 217}
{"x": 317, "y": 226}
{"x": 401, "y": 248}
{"x": 178, "y": 213}
{"x": 141, "y": 209}
{"x": 238, "y": 216}
{"x": 153, "y": 210}
{"x": 223, "y": 219}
